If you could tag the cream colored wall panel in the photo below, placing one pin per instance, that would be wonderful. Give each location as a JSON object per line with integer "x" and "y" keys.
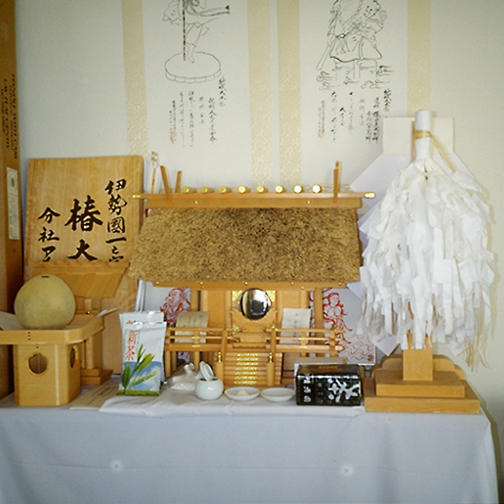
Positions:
{"x": 467, "y": 44}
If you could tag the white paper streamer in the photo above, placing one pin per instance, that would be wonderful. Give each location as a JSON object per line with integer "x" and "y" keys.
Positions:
{"x": 427, "y": 256}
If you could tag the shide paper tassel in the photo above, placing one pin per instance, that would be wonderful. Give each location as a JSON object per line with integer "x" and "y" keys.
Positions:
{"x": 426, "y": 268}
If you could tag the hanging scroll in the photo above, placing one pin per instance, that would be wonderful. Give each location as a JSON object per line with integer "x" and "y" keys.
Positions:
{"x": 353, "y": 74}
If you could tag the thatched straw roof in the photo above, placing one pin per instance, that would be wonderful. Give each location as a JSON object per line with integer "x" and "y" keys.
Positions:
{"x": 266, "y": 245}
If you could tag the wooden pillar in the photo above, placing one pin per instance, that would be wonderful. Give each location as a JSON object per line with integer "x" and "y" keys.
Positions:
{"x": 270, "y": 371}
{"x": 418, "y": 365}
{"x": 219, "y": 367}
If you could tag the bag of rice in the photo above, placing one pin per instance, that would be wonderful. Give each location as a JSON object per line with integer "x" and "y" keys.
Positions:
{"x": 143, "y": 336}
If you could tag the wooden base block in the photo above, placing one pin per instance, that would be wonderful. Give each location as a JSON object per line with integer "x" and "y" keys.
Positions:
{"x": 46, "y": 374}
{"x": 389, "y": 382}
{"x": 94, "y": 376}
{"x": 446, "y": 392}
{"x": 466, "y": 405}
{"x": 440, "y": 363}
{"x": 417, "y": 363}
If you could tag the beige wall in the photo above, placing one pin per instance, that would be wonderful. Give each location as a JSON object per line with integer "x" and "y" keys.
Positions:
{"x": 71, "y": 78}
{"x": 467, "y": 75}
{"x": 72, "y": 102}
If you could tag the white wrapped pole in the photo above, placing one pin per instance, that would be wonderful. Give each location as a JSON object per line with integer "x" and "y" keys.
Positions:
{"x": 427, "y": 269}
{"x": 423, "y": 121}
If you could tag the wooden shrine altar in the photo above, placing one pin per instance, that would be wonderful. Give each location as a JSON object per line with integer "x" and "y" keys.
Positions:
{"x": 224, "y": 243}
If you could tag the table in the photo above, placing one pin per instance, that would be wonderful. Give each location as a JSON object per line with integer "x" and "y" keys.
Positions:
{"x": 257, "y": 452}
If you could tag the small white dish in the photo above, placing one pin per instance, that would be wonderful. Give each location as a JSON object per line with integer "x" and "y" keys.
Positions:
{"x": 278, "y": 394}
{"x": 242, "y": 393}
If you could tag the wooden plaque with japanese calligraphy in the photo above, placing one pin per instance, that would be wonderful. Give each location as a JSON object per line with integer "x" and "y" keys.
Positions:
{"x": 81, "y": 221}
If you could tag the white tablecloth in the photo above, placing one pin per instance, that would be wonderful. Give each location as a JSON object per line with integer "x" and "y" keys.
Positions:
{"x": 205, "y": 454}
{"x": 177, "y": 403}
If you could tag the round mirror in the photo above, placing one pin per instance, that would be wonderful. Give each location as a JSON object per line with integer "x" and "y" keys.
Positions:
{"x": 254, "y": 304}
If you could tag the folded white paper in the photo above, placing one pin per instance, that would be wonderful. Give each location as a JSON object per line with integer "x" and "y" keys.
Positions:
{"x": 427, "y": 268}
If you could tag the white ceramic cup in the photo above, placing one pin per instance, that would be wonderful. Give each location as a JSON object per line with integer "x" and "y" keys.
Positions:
{"x": 209, "y": 389}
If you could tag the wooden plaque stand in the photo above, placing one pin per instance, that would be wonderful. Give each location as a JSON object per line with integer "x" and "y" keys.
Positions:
{"x": 81, "y": 226}
{"x": 417, "y": 381}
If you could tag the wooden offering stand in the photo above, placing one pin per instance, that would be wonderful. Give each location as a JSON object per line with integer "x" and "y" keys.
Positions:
{"x": 246, "y": 351}
{"x": 419, "y": 382}
{"x": 47, "y": 362}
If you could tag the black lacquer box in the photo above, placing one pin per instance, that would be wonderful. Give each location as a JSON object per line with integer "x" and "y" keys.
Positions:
{"x": 329, "y": 385}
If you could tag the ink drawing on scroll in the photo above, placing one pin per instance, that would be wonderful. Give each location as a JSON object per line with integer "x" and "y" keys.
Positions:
{"x": 351, "y": 54}
{"x": 197, "y": 87}
{"x": 354, "y": 73}
{"x": 192, "y": 64}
